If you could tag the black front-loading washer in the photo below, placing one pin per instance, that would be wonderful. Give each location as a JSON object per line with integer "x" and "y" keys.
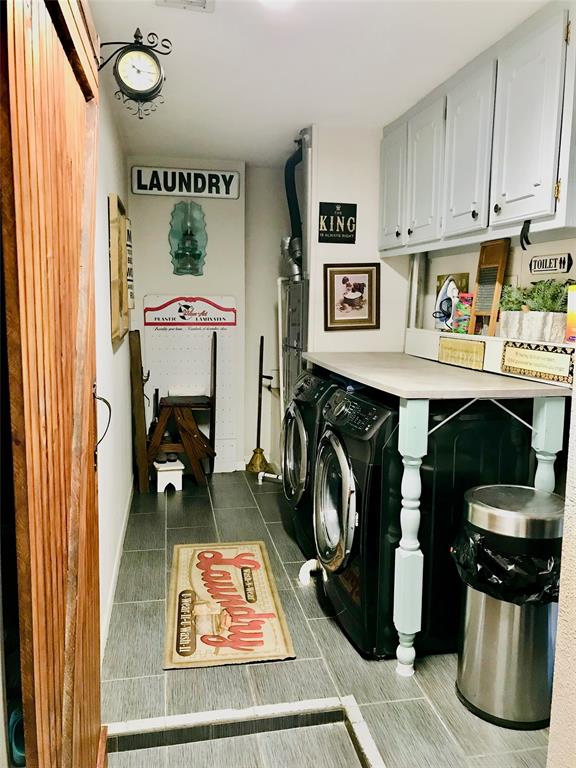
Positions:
{"x": 302, "y": 426}
{"x": 357, "y": 503}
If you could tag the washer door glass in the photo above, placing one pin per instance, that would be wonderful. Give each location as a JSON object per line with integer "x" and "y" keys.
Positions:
{"x": 294, "y": 455}
{"x": 334, "y": 503}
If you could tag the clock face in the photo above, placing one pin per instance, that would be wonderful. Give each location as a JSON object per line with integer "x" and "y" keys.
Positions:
{"x": 138, "y": 72}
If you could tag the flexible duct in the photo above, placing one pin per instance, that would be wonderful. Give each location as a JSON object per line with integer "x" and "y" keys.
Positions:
{"x": 291, "y": 196}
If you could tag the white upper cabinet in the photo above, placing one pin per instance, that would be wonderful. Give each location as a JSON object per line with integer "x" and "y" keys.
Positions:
{"x": 392, "y": 189}
{"x": 469, "y": 114}
{"x": 527, "y": 123}
{"x": 425, "y": 173}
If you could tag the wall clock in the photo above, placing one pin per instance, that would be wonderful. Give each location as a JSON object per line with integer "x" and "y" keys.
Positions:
{"x": 138, "y": 72}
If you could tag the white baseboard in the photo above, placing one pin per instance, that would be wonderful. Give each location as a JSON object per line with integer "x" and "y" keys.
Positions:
{"x": 106, "y": 613}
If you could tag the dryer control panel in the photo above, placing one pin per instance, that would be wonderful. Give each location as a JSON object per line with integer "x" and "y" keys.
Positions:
{"x": 309, "y": 388}
{"x": 355, "y": 415}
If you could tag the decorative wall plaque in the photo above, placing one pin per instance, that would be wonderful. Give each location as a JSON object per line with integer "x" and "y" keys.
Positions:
{"x": 559, "y": 263}
{"x": 185, "y": 182}
{"x": 461, "y": 352}
{"x": 539, "y": 361}
{"x": 337, "y": 223}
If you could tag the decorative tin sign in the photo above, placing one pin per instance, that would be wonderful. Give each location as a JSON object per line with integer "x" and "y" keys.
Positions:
{"x": 184, "y": 182}
{"x": 337, "y": 223}
{"x": 559, "y": 263}
{"x": 539, "y": 361}
{"x": 198, "y": 311}
{"x": 462, "y": 352}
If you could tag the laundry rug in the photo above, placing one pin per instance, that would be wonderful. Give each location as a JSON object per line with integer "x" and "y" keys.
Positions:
{"x": 223, "y": 607}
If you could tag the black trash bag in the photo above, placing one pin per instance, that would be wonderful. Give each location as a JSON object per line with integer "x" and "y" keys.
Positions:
{"x": 514, "y": 578}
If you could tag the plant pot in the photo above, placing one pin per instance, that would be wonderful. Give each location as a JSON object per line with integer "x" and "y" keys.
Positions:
{"x": 533, "y": 326}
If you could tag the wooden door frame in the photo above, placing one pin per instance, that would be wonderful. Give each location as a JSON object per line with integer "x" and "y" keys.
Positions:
{"x": 75, "y": 30}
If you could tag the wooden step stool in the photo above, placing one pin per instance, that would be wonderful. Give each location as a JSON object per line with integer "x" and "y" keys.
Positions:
{"x": 192, "y": 441}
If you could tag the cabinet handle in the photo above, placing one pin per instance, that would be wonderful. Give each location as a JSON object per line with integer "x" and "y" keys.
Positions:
{"x": 474, "y": 215}
{"x": 497, "y": 208}
{"x": 410, "y": 231}
{"x": 398, "y": 233}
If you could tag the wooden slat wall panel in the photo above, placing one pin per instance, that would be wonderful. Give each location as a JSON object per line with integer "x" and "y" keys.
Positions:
{"x": 48, "y": 243}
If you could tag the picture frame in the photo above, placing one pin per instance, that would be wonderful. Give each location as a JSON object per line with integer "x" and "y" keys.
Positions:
{"x": 351, "y": 297}
{"x": 118, "y": 256}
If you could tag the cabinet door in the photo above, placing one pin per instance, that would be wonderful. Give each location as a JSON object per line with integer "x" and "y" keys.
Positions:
{"x": 425, "y": 170}
{"x": 392, "y": 184}
{"x": 469, "y": 113}
{"x": 527, "y": 124}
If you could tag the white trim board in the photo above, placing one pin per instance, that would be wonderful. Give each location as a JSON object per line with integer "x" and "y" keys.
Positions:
{"x": 358, "y": 731}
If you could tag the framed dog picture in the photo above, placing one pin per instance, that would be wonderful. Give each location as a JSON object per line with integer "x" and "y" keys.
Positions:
{"x": 351, "y": 297}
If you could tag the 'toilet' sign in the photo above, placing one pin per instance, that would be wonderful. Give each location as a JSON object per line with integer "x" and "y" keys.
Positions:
{"x": 184, "y": 182}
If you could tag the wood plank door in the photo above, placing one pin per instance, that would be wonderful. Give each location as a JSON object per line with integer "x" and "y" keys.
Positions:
{"x": 49, "y": 135}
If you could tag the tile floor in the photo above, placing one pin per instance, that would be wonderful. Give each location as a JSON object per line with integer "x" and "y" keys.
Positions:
{"x": 416, "y": 722}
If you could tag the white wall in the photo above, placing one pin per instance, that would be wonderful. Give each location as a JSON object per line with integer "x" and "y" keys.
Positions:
{"x": 113, "y": 379}
{"x": 346, "y": 169}
{"x": 266, "y": 222}
{"x": 223, "y": 269}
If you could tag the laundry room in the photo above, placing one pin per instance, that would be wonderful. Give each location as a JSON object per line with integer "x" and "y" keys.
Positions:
{"x": 289, "y": 329}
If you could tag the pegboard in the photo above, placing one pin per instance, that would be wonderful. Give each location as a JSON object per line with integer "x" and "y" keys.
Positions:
{"x": 178, "y": 343}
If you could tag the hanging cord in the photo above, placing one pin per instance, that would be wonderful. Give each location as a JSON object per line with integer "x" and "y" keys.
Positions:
{"x": 524, "y": 232}
{"x": 444, "y": 312}
{"x": 107, "y": 404}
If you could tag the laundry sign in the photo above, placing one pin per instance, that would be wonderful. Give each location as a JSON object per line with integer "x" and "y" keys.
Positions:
{"x": 337, "y": 223}
{"x": 184, "y": 182}
{"x": 559, "y": 263}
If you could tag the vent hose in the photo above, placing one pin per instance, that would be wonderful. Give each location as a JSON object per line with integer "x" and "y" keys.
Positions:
{"x": 291, "y": 196}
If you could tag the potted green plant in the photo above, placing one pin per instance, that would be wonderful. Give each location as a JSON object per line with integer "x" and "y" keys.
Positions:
{"x": 535, "y": 313}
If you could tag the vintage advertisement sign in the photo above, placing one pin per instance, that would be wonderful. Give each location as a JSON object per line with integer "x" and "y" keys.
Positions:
{"x": 185, "y": 182}
{"x": 539, "y": 361}
{"x": 224, "y": 607}
{"x": 337, "y": 223}
{"x": 198, "y": 311}
{"x": 462, "y": 352}
{"x": 559, "y": 263}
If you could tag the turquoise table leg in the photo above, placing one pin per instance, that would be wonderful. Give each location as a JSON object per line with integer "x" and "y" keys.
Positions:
{"x": 409, "y": 563}
{"x": 547, "y": 438}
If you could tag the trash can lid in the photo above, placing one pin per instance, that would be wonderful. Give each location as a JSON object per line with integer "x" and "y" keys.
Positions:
{"x": 515, "y": 510}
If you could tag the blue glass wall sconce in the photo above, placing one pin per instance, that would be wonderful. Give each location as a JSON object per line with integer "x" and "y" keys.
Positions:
{"x": 188, "y": 239}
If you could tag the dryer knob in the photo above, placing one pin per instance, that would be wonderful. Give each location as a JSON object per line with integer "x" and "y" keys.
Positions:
{"x": 342, "y": 408}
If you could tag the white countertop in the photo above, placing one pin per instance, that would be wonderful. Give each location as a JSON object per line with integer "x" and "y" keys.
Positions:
{"x": 413, "y": 377}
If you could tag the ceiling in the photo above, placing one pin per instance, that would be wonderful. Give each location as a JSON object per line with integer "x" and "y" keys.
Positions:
{"x": 243, "y": 80}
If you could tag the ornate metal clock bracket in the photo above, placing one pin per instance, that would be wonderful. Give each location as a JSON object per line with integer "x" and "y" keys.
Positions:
{"x": 158, "y": 46}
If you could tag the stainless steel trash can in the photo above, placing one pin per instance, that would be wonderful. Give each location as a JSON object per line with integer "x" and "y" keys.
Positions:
{"x": 506, "y": 654}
